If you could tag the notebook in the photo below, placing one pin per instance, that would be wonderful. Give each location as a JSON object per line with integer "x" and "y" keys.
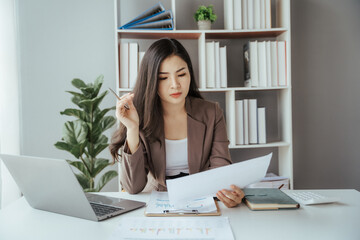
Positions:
{"x": 50, "y": 185}
{"x": 268, "y": 199}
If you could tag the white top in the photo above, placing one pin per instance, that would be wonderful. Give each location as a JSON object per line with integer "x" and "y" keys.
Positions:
{"x": 176, "y": 157}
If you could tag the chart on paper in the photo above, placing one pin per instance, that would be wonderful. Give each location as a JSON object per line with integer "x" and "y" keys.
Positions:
{"x": 174, "y": 228}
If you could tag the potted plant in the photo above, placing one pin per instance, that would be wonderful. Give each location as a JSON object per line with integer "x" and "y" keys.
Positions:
{"x": 204, "y": 16}
{"x": 84, "y": 137}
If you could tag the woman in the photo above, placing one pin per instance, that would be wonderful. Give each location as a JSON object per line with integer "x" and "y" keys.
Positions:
{"x": 167, "y": 130}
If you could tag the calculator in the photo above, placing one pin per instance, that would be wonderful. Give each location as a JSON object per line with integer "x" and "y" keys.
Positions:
{"x": 309, "y": 198}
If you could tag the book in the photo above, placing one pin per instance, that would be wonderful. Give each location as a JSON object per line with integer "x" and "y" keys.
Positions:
{"x": 124, "y": 65}
{"x": 268, "y": 14}
{"x": 257, "y": 14}
{"x": 262, "y": 14}
{"x": 133, "y": 63}
{"x": 274, "y": 64}
{"x": 217, "y": 65}
{"x": 244, "y": 14}
{"x": 237, "y": 14}
{"x": 160, "y": 206}
{"x": 223, "y": 67}
{"x": 268, "y": 63}
{"x": 268, "y": 199}
{"x": 262, "y": 64}
{"x": 210, "y": 64}
{"x": 261, "y": 114}
{"x": 239, "y": 116}
{"x": 253, "y": 128}
{"x": 149, "y": 12}
{"x": 246, "y": 121}
{"x": 250, "y": 13}
{"x": 281, "y": 47}
{"x": 228, "y": 14}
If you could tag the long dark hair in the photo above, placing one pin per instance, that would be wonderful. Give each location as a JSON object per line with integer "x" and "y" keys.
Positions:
{"x": 146, "y": 99}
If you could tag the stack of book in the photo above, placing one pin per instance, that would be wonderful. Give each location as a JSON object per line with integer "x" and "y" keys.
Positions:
{"x": 216, "y": 65}
{"x": 130, "y": 59}
{"x": 265, "y": 64}
{"x": 155, "y": 18}
{"x": 247, "y": 14}
{"x": 250, "y": 122}
{"x": 271, "y": 180}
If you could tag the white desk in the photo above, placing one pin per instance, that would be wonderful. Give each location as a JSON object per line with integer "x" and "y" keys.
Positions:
{"x": 330, "y": 221}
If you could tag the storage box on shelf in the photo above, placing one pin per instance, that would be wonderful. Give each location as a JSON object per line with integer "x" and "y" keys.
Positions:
{"x": 275, "y": 99}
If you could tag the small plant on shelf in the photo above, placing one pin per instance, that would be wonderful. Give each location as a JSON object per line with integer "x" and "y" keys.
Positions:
{"x": 204, "y": 16}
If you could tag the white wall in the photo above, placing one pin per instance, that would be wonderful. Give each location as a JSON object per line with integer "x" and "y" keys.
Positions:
{"x": 9, "y": 98}
{"x": 61, "y": 40}
{"x": 326, "y": 86}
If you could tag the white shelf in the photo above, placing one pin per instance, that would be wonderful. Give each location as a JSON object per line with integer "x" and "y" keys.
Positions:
{"x": 280, "y": 97}
{"x": 195, "y": 34}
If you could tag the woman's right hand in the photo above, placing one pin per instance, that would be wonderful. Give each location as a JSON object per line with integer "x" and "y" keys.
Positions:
{"x": 128, "y": 117}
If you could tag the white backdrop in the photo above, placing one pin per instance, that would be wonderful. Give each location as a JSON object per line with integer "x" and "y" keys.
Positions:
{"x": 9, "y": 98}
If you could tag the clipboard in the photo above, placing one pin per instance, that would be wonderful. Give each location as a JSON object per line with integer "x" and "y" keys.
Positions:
{"x": 159, "y": 206}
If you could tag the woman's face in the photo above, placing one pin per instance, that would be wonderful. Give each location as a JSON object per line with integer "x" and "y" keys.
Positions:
{"x": 174, "y": 80}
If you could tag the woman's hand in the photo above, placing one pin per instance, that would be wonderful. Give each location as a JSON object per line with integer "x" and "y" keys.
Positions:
{"x": 231, "y": 198}
{"x": 126, "y": 112}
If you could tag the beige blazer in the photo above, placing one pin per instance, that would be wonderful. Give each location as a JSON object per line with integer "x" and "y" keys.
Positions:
{"x": 207, "y": 148}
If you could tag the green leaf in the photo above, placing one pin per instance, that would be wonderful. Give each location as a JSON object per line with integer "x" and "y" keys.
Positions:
{"x": 99, "y": 148}
{"x": 81, "y": 166}
{"x": 100, "y": 114}
{"x": 105, "y": 179}
{"x": 88, "y": 92}
{"x": 90, "y": 105}
{"x": 98, "y": 83}
{"x": 107, "y": 122}
{"x": 78, "y": 83}
{"x": 94, "y": 132}
{"x": 100, "y": 164}
{"x": 83, "y": 180}
{"x": 63, "y": 146}
{"x": 75, "y": 132}
{"x": 75, "y": 113}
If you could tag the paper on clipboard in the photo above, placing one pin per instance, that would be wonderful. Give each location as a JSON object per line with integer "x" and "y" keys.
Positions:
{"x": 207, "y": 183}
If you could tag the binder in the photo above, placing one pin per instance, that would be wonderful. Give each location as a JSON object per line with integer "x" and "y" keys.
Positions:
{"x": 151, "y": 11}
{"x": 159, "y": 206}
{"x": 163, "y": 15}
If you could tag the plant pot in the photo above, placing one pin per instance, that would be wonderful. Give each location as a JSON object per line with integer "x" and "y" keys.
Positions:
{"x": 204, "y": 24}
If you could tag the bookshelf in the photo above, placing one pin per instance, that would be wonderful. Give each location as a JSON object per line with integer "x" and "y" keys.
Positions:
{"x": 277, "y": 100}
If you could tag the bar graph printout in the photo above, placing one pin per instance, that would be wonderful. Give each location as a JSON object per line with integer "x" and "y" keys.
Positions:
{"x": 131, "y": 228}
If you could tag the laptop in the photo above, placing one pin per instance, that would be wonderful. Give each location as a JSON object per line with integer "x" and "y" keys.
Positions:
{"x": 50, "y": 185}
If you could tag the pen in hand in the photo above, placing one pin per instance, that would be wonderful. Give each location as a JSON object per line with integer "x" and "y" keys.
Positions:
{"x": 126, "y": 106}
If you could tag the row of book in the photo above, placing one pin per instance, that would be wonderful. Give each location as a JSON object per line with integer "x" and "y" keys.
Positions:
{"x": 250, "y": 122}
{"x": 216, "y": 65}
{"x": 247, "y": 14}
{"x": 154, "y": 18}
{"x": 130, "y": 59}
{"x": 265, "y": 64}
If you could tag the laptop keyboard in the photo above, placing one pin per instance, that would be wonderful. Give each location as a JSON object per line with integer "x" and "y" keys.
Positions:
{"x": 101, "y": 210}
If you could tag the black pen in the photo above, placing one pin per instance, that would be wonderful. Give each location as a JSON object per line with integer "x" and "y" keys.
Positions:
{"x": 126, "y": 106}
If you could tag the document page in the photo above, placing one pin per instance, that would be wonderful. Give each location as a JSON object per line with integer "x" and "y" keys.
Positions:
{"x": 207, "y": 183}
{"x": 159, "y": 202}
{"x": 131, "y": 228}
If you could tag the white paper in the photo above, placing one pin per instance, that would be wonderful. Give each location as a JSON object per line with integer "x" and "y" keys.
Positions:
{"x": 207, "y": 183}
{"x": 159, "y": 202}
{"x": 173, "y": 228}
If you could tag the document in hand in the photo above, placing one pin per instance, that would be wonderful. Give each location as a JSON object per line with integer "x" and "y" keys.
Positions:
{"x": 159, "y": 206}
{"x": 207, "y": 183}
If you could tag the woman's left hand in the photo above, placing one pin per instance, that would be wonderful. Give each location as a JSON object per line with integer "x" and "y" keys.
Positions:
{"x": 231, "y": 198}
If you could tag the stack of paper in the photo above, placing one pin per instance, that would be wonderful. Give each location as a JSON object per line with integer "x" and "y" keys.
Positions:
{"x": 159, "y": 205}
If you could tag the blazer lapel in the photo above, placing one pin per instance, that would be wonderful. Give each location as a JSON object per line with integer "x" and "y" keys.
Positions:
{"x": 159, "y": 159}
{"x": 196, "y": 135}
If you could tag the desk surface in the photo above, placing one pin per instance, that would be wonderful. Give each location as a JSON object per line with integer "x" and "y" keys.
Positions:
{"x": 330, "y": 221}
